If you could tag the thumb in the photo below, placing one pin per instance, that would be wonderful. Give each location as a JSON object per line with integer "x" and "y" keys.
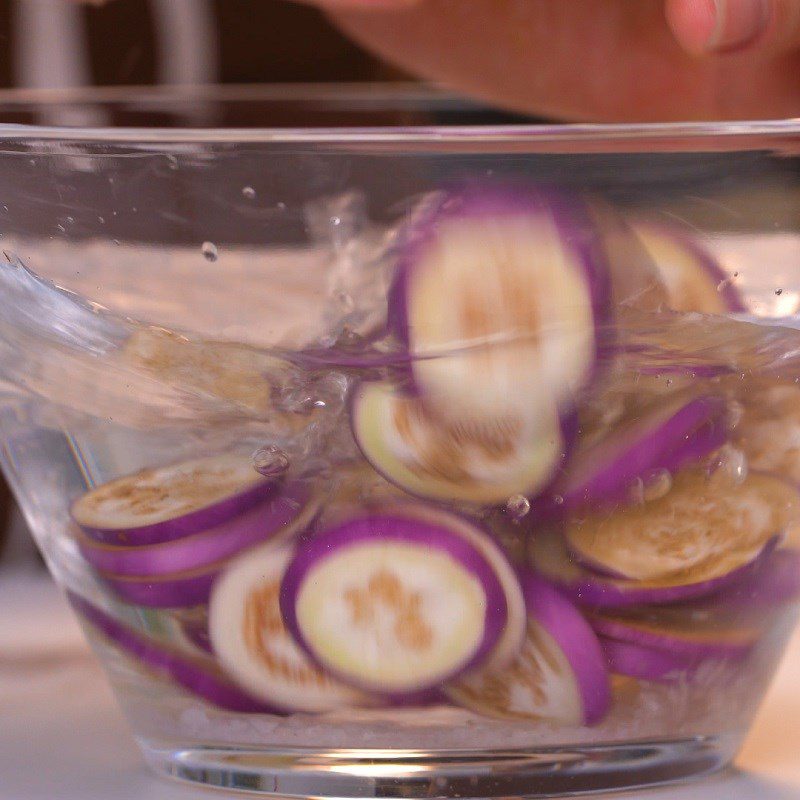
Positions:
{"x": 722, "y": 26}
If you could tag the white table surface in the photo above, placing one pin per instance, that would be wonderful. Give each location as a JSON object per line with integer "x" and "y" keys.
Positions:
{"x": 63, "y": 738}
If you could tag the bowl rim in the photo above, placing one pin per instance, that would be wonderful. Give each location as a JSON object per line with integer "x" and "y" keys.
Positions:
{"x": 360, "y": 95}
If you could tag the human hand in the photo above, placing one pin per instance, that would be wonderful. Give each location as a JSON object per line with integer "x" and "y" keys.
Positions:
{"x": 631, "y": 60}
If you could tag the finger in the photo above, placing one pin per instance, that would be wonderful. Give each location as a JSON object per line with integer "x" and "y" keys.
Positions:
{"x": 724, "y": 26}
{"x": 582, "y": 59}
{"x": 360, "y": 5}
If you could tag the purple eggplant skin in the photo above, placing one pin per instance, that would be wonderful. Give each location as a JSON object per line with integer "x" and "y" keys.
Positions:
{"x": 185, "y": 525}
{"x": 650, "y": 636}
{"x": 596, "y": 591}
{"x": 369, "y": 529}
{"x": 176, "y": 590}
{"x": 191, "y": 675}
{"x": 260, "y": 523}
{"x": 773, "y": 582}
{"x": 487, "y": 200}
{"x": 646, "y": 663}
{"x": 573, "y": 634}
{"x": 695, "y": 430}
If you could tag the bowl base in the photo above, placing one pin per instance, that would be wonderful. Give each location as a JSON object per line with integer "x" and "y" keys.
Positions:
{"x": 349, "y": 773}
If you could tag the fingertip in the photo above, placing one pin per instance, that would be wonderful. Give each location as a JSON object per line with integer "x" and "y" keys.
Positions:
{"x": 693, "y": 23}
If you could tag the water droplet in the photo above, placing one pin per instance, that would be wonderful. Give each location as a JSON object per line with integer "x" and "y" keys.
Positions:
{"x": 270, "y": 461}
{"x": 724, "y": 284}
{"x": 657, "y": 485}
{"x": 517, "y": 506}
{"x": 115, "y": 242}
{"x": 70, "y": 220}
{"x": 730, "y": 462}
{"x": 172, "y": 160}
{"x": 336, "y": 221}
{"x": 101, "y": 220}
{"x": 249, "y": 192}
{"x": 281, "y": 206}
{"x": 558, "y": 499}
{"x": 209, "y": 250}
{"x": 61, "y": 227}
{"x": 779, "y": 292}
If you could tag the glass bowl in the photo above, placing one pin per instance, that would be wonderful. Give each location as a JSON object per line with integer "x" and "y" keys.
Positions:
{"x": 401, "y": 448}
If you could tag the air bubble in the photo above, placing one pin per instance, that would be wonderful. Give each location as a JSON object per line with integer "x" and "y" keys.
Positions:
{"x": 657, "y": 485}
{"x": 209, "y": 250}
{"x": 270, "y": 461}
{"x": 518, "y": 506}
{"x": 249, "y": 192}
{"x": 558, "y": 499}
{"x": 731, "y": 463}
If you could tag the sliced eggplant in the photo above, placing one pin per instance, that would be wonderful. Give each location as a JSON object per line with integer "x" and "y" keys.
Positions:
{"x": 692, "y": 278}
{"x": 172, "y": 501}
{"x": 200, "y": 677}
{"x": 394, "y": 605}
{"x": 560, "y": 674}
{"x": 665, "y": 436}
{"x": 689, "y": 637}
{"x": 249, "y": 638}
{"x": 474, "y": 462}
{"x": 511, "y": 639}
{"x": 191, "y": 586}
{"x": 701, "y": 530}
{"x": 284, "y": 510}
{"x": 230, "y": 373}
{"x": 550, "y": 557}
{"x": 501, "y": 295}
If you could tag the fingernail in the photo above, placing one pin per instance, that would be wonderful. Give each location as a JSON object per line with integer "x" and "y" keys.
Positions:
{"x": 736, "y": 24}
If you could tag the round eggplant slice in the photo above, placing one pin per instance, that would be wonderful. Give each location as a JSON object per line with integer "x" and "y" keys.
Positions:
{"x": 664, "y": 437}
{"x": 286, "y": 509}
{"x": 559, "y": 675}
{"x": 513, "y": 635}
{"x": 550, "y": 558}
{"x": 200, "y": 677}
{"x": 394, "y": 605}
{"x": 693, "y": 280}
{"x": 249, "y": 638}
{"x": 283, "y": 522}
{"x": 500, "y": 295}
{"x": 702, "y": 529}
{"x": 169, "y": 502}
{"x": 478, "y": 463}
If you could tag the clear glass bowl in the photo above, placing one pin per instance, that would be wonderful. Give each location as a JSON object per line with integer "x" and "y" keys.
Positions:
{"x": 477, "y": 440}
